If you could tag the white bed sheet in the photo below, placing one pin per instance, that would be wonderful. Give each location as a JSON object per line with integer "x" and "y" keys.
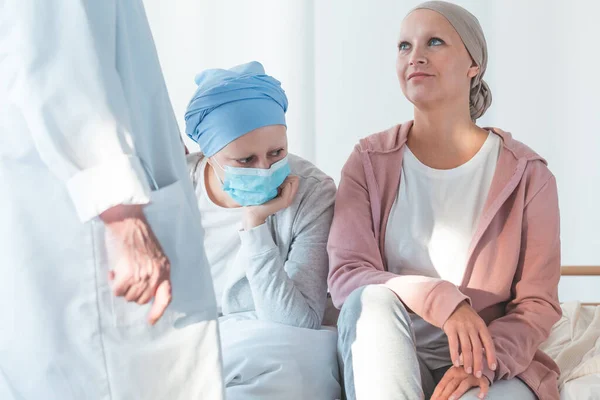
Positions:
{"x": 268, "y": 361}
{"x": 584, "y": 388}
{"x": 574, "y": 343}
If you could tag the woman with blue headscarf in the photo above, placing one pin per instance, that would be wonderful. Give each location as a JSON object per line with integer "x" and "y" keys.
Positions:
{"x": 266, "y": 215}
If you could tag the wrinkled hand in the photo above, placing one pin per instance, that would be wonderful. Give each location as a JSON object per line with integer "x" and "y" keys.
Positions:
{"x": 257, "y": 215}
{"x": 469, "y": 338}
{"x": 141, "y": 269}
{"x": 456, "y": 382}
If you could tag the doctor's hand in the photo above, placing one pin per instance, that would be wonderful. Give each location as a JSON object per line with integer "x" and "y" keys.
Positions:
{"x": 469, "y": 338}
{"x": 257, "y": 215}
{"x": 141, "y": 268}
{"x": 457, "y": 382}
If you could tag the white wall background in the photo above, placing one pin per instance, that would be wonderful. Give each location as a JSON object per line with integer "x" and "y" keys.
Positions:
{"x": 192, "y": 35}
{"x": 336, "y": 61}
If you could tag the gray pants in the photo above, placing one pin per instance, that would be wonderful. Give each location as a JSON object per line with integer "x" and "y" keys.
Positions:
{"x": 379, "y": 359}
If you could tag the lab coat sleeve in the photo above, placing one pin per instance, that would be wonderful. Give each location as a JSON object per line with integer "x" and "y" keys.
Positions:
{"x": 64, "y": 81}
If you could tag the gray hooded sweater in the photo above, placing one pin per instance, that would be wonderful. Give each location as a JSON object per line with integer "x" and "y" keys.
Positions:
{"x": 282, "y": 275}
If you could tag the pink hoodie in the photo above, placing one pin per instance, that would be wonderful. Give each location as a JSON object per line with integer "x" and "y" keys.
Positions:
{"x": 513, "y": 266}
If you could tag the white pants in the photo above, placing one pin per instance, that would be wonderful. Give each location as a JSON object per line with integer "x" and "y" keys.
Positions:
{"x": 377, "y": 351}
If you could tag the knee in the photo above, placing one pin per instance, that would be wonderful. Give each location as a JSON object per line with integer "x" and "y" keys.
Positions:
{"x": 374, "y": 302}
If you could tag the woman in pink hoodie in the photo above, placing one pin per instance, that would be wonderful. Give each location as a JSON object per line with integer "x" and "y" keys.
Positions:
{"x": 445, "y": 247}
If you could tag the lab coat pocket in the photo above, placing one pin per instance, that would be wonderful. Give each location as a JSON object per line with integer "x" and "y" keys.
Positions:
{"x": 173, "y": 222}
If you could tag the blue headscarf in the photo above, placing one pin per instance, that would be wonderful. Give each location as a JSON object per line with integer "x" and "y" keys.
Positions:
{"x": 230, "y": 103}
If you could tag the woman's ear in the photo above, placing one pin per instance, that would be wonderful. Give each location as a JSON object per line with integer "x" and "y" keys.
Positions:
{"x": 473, "y": 71}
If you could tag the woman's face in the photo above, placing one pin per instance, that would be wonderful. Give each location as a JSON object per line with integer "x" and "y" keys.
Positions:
{"x": 433, "y": 65}
{"x": 259, "y": 148}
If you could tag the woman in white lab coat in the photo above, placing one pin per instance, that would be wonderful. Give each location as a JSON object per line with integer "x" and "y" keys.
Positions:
{"x": 87, "y": 140}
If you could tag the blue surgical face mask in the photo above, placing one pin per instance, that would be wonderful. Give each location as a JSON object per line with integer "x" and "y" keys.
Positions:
{"x": 254, "y": 186}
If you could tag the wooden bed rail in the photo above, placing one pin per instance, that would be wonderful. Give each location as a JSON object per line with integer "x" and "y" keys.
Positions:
{"x": 580, "y": 270}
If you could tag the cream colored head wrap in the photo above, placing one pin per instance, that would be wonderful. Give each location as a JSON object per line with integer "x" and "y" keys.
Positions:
{"x": 468, "y": 28}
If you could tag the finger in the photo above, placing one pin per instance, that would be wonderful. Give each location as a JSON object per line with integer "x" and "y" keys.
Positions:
{"x": 286, "y": 188}
{"x": 293, "y": 182}
{"x": 286, "y": 181}
{"x": 111, "y": 275}
{"x": 289, "y": 198}
{"x": 136, "y": 291}
{"x": 477, "y": 353}
{"x": 460, "y": 390}
{"x": 466, "y": 348}
{"x": 484, "y": 387}
{"x": 295, "y": 186}
{"x": 450, "y": 388}
{"x": 122, "y": 277}
{"x": 490, "y": 349}
{"x": 281, "y": 193}
{"x": 288, "y": 191}
{"x": 132, "y": 293}
{"x": 161, "y": 301}
{"x": 121, "y": 285}
{"x": 439, "y": 388}
{"x": 145, "y": 297}
{"x": 156, "y": 276}
{"x": 453, "y": 343}
{"x": 144, "y": 270}
{"x": 436, "y": 393}
{"x": 146, "y": 294}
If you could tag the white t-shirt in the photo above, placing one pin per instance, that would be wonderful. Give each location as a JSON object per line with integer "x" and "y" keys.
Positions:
{"x": 221, "y": 235}
{"x": 431, "y": 225}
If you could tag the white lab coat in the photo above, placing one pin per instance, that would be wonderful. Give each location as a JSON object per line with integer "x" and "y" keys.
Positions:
{"x": 85, "y": 124}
